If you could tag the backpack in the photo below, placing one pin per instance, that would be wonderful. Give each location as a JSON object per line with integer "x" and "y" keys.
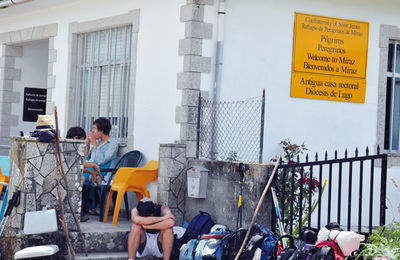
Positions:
{"x": 267, "y": 245}
{"x": 200, "y": 224}
{"x": 287, "y": 252}
{"x": 260, "y": 237}
{"x": 207, "y": 246}
{"x": 232, "y": 242}
{"x": 315, "y": 253}
{"x": 334, "y": 246}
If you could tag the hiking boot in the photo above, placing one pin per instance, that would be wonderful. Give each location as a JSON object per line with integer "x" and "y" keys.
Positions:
{"x": 84, "y": 218}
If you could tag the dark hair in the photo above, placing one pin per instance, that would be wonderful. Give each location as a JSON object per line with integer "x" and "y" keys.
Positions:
{"x": 103, "y": 124}
{"x": 76, "y": 131}
{"x": 145, "y": 209}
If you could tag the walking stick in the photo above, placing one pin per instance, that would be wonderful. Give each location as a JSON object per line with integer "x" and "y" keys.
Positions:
{"x": 59, "y": 161}
{"x": 253, "y": 220}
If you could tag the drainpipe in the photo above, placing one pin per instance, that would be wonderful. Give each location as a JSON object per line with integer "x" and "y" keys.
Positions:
{"x": 219, "y": 51}
{"x": 5, "y": 4}
{"x": 217, "y": 76}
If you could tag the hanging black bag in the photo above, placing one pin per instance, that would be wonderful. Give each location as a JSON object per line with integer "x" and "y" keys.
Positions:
{"x": 286, "y": 252}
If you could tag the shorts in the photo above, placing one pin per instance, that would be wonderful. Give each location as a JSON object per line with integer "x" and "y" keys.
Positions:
{"x": 152, "y": 247}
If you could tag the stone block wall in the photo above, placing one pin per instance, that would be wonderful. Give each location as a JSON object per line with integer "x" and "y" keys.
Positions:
{"x": 172, "y": 179}
{"x": 223, "y": 191}
{"x": 33, "y": 171}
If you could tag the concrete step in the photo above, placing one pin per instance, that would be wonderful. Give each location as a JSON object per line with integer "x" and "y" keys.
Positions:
{"x": 111, "y": 256}
{"x": 103, "y": 237}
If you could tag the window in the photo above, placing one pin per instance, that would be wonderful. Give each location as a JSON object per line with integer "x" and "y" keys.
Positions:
{"x": 102, "y": 79}
{"x": 392, "y": 115}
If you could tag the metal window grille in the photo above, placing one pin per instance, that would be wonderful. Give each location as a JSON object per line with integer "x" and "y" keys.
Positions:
{"x": 231, "y": 131}
{"x": 392, "y": 117}
{"x": 102, "y": 79}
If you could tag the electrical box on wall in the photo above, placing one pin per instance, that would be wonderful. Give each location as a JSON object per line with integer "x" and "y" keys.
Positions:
{"x": 197, "y": 178}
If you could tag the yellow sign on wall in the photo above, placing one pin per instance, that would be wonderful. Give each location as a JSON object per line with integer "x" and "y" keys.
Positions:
{"x": 332, "y": 52}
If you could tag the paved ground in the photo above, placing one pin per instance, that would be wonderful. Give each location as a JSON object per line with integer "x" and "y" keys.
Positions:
{"x": 93, "y": 225}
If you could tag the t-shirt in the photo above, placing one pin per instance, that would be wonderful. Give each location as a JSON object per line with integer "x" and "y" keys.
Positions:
{"x": 104, "y": 152}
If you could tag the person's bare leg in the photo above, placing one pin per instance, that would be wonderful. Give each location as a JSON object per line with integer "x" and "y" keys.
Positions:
{"x": 166, "y": 238}
{"x": 136, "y": 236}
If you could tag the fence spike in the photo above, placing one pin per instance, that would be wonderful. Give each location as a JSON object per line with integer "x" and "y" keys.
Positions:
{"x": 306, "y": 157}
{"x": 345, "y": 153}
{"x": 335, "y": 154}
{"x": 280, "y": 160}
{"x": 326, "y": 155}
{"x": 356, "y": 152}
{"x": 367, "y": 151}
{"x": 378, "y": 149}
{"x": 298, "y": 159}
{"x": 316, "y": 156}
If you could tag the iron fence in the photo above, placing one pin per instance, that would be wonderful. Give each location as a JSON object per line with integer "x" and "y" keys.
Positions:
{"x": 338, "y": 190}
{"x": 231, "y": 131}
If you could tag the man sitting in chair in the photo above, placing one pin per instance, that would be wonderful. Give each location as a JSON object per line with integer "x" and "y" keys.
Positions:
{"x": 100, "y": 150}
{"x": 151, "y": 232}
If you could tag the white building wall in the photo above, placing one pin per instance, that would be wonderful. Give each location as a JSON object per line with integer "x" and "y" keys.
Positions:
{"x": 33, "y": 66}
{"x": 157, "y": 58}
{"x": 258, "y": 54}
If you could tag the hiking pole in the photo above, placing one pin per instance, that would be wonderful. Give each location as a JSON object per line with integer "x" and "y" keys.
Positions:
{"x": 253, "y": 220}
{"x": 14, "y": 201}
{"x": 242, "y": 168}
{"x": 5, "y": 198}
{"x": 278, "y": 214}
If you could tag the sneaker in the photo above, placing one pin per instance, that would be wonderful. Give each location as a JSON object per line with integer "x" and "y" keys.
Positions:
{"x": 84, "y": 218}
{"x": 94, "y": 212}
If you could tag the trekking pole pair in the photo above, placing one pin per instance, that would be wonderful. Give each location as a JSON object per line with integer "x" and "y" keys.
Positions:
{"x": 274, "y": 187}
{"x": 242, "y": 168}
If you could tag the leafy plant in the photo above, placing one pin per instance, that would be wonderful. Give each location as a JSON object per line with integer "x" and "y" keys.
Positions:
{"x": 384, "y": 242}
{"x": 299, "y": 182}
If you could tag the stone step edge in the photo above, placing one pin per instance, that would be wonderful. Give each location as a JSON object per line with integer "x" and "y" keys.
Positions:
{"x": 109, "y": 255}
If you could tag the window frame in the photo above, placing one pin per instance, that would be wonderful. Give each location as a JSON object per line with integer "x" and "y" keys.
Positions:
{"x": 131, "y": 18}
{"x": 388, "y": 33}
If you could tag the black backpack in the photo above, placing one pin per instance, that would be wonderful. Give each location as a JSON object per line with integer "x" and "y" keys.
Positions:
{"x": 232, "y": 243}
{"x": 315, "y": 253}
{"x": 286, "y": 252}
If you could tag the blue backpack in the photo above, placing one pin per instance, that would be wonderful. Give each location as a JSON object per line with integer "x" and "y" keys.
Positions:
{"x": 207, "y": 246}
{"x": 200, "y": 224}
{"x": 267, "y": 245}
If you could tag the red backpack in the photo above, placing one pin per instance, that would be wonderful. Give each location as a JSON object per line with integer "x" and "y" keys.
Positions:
{"x": 332, "y": 244}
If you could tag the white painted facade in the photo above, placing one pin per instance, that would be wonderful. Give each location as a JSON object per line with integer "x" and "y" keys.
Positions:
{"x": 258, "y": 40}
{"x": 157, "y": 58}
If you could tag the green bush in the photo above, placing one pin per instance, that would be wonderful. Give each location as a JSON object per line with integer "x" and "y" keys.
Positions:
{"x": 385, "y": 241}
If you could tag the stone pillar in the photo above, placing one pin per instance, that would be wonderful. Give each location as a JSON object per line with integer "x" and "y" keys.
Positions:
{"x": 172, "y": 179}
{"x": 7, "y": 97}
{"x": 173, "y": 157}
{"x": 33, "y": 172}
{"x": 191, "y": 48}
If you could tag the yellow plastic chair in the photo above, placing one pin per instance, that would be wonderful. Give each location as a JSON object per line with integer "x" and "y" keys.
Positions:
{"x": 3, "y": 179}
{"x": 131, "y": 179}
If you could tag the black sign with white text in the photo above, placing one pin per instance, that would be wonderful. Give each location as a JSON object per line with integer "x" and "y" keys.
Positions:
{"x": 34, "y": 103}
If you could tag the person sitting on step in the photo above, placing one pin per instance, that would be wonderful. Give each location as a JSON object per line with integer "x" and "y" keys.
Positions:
{"x": 151, "y": 231}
